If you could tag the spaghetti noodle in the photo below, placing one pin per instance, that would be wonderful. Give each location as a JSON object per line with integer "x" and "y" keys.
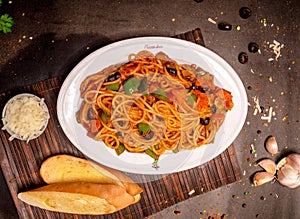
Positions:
{"x": 152, "y": 104}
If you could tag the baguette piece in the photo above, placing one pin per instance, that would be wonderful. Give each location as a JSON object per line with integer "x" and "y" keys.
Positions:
{"x": 78, "y": 198}
{"x": 66, "y": 168}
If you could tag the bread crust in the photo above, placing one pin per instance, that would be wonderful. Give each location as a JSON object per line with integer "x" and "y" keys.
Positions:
{"x": 79, "y": 198}
{"x": 67, "y": 168}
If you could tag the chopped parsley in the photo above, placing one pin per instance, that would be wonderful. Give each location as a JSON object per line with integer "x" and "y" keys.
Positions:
{"x": 6, "y": 23}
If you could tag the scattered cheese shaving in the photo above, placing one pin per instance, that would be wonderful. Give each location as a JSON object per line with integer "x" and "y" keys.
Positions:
{"x": 276, "y": 46}
{"x": 270, "y": 59}
{"x": 192, "y": 192}
{"x": 269, "y": 116}
{"x": 257, "y": 108}
{"x": 211, "y": 20}
{"x": 270, "y": 78}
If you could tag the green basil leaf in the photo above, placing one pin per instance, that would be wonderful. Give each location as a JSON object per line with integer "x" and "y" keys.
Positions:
{"x": 130, "y": 85}
{"x": 160, "y": 94}
{"x": 191, "y": 99}
{"x": 143, "y": 85}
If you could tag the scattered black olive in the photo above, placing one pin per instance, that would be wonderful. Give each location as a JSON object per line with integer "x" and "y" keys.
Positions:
{"x": 119, "y": 134}
{"x": 243, "y": 57}
{"x": 198, "y": 1}
{"x": 114, "y": 76}
{"x": 245, "y": 12}
{"x": 202, "y": 89}
{"x": 159, "y": 118}
{"x": 121, "y": 123}
{"x": 149, "y": 135}
{"x": 224, "y": 26}
{"x": 90, "y": 114}
{"x": 172, "y": 71}
{"x": 213, "y": 109}
{"x": 193, "y": 86}
{"x": 249, "y": 88}
{"x": 253, "y": 47}
{"x": 258, "y": 132}
{"x": 204, "y": 121}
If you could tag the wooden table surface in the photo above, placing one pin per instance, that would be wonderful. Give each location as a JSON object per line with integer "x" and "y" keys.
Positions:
{"x": 48, "y": 39}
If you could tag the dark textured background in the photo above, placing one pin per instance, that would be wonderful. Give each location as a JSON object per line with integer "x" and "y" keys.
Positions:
{"x": 50, "y": 37}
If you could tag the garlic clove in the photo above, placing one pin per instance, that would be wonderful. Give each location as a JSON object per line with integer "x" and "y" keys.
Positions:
{"x": 288, "y": 176}
{"x": 261, "y": 178}
{"x": 271, "y": 145}
{"x": 281, "y": 163}
{"x": 294, "y": 161}
{"x": 268, "y": 165}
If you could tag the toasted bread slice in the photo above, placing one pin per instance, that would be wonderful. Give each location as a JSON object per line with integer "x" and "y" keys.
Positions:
{"x": 79, "y": 198}
{"x": 67, "y": 168}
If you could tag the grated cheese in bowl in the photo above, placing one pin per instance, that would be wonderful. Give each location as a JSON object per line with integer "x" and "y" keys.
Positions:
{"x": 25, "y": 117}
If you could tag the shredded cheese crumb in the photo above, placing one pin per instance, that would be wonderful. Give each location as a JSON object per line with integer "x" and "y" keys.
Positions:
{"x": 269, "y": 116}
{"x": 25, "y": 117}
{"x": 192, "y": 192}
{"x": 211, "y": 20}
{"x": 270, "y": 59}
{"x": 276, "y": 46}
{"x": 270, "y": 78}
{"x": 257, "y": 108}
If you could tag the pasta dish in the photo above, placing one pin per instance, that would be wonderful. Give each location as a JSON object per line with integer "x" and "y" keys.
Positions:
{"x": 152, "y": 105}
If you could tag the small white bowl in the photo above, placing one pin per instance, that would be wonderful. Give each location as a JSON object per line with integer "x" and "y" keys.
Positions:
{"x": 41, "y": 105}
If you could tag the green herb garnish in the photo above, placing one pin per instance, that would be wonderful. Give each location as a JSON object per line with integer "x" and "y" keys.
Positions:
{"x": 103, "y": 116}
{"x": 246, "y": 193}
{"x": 143, "y": 85}
{"x": 120, "y": 149}
{"x": 152, "y": 154}
{"x": 200, "y": 73}
{"x": 155, "y": 164}
{"x": 176, "y": 150}
{"x": 191, "y": 99}
{"x": 160, "y": 94}
{"x": 113, "y": 87}
{"x": 6, "y": 23}
{"x": 130, "y": 85}
{"x": 144, "y": 128}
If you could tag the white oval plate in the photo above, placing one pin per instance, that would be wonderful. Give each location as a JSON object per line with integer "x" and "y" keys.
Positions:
{"x": 182, "y": 51}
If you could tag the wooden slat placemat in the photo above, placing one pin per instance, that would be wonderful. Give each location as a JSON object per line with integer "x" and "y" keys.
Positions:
{"x": 20, "y": 163}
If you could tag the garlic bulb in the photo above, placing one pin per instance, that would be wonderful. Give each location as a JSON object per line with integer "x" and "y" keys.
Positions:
{"x": 268, "y": 165}
{"x": 271, "y": 145}
{"x": 261, "y": 178}
{"x": 288, "y": 173}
